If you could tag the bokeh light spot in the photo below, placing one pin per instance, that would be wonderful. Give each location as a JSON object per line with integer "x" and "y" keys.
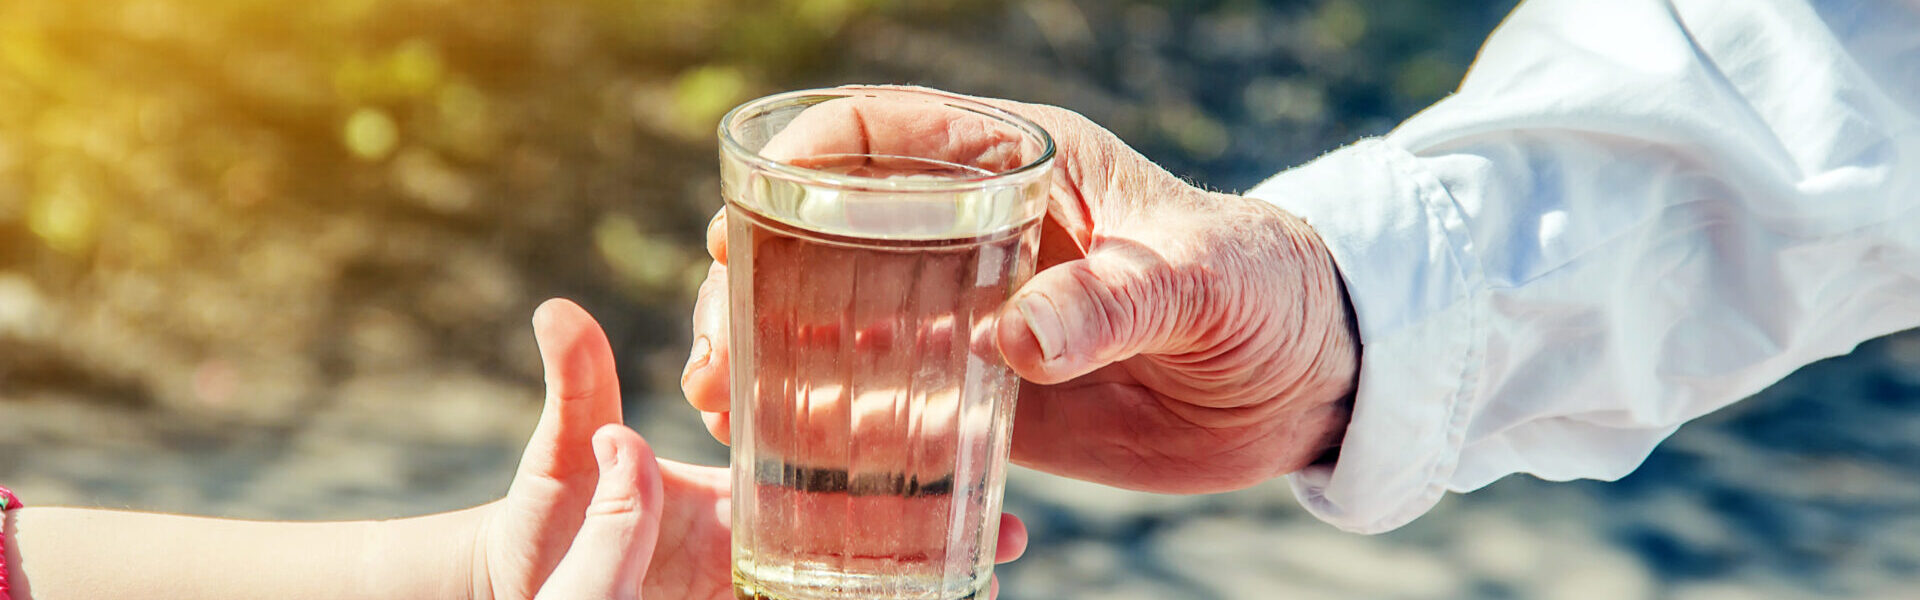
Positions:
{"x": 1271, "y": 100}
{"x": 1426, "y": 76}
{"x": 370, "y": 134}
{"x": 63, "y": 219}
{"x": 643, "y": 264}
{"x": 825, "y": 15}
{"x": 1195, "y": 132}
{"x": 416, "y": 67}
{"x": 702, "y": 94}
{"x": 1340, "y": 23}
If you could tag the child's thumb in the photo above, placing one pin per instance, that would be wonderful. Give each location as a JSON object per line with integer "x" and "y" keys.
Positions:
{"x": 609, "y": 557}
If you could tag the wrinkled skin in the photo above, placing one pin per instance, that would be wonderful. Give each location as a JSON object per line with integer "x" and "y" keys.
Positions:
{"x": 1175, "y": 339}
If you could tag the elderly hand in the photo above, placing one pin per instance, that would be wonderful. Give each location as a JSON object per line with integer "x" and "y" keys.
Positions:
{"x": 1175, "y": 339}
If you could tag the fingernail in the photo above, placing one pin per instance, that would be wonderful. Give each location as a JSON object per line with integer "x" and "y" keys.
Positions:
{"x": 702, "y": 350}
{"x": 1044, "y": 321}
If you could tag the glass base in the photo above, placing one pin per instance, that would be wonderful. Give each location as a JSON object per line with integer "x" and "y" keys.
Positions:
{"x": 803, "y": 583}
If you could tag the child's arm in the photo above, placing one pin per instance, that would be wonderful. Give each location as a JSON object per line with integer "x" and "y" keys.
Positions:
{"x": 108, "y": 555}
{"x": 588, "y": 490}
{"x": 559, "y": 506}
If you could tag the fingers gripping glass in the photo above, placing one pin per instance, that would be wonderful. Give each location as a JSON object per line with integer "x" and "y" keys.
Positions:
{"x": 872, "y": 234}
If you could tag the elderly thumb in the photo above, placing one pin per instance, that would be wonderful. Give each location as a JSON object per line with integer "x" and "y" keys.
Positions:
{"x": 609, "y": 556}
{"x": 1124, "y": 299}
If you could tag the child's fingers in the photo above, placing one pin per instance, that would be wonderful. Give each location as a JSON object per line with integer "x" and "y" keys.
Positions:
{"x": 583, "y": 389}
{"x": 579, "y": 364}
{"x": 609, "y": 557}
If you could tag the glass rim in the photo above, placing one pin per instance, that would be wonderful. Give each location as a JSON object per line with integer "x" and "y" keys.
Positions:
{"x": 732, "y": 146}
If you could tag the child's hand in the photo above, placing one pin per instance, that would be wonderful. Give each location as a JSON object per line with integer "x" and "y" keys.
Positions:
{"x": 610, "y": 556}
{"x": 554, "y": 493}
{"x": 652, "y": 528}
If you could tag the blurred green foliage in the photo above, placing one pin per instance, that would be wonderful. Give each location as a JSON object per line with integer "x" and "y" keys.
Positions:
{"x": 133, "y": 98}
{"x": 186, "y": 183}
{"x": 237, "y": 205}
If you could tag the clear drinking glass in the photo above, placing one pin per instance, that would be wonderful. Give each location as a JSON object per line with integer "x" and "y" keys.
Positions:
{"x": 872, "y": 234}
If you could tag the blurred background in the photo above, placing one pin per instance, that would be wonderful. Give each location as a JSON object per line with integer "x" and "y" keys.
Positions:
{"x": 275, "y": 260}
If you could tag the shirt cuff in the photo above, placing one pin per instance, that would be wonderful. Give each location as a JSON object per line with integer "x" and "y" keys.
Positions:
{"x": 1401, "y": 245}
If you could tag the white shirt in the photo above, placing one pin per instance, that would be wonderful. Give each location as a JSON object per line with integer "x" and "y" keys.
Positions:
{"x": 1632, "y": 213}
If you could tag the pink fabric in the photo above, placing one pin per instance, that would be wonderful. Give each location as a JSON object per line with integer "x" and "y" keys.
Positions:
{"x": 7, "y": 502}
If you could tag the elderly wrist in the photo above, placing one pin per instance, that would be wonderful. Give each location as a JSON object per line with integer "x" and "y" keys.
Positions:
{"x": 1325, "y": 401}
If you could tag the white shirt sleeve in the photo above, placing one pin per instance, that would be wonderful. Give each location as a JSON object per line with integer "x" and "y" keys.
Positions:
{"x": 1632, "y": 213}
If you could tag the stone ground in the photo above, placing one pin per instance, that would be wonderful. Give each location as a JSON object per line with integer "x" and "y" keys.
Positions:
{"x": 1809, "y": 490}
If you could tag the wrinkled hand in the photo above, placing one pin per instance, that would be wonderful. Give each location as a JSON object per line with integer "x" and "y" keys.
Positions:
{"x": 1175, "y": 339}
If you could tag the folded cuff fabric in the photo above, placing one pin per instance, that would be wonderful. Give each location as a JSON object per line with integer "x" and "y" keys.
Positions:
{"x": 1396, "y": 236}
